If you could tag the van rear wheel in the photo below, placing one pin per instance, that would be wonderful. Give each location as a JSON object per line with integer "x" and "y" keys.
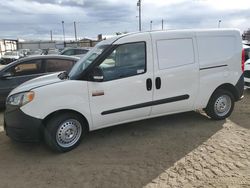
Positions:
{"x": 64, "y": 132}
{"x": 220, "y": 105}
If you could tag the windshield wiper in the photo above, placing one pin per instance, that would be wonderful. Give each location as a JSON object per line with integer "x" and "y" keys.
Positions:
{"x": 63, "y": 76}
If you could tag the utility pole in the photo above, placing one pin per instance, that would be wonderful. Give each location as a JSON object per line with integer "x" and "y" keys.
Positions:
{"x": 75, "y": 31}
{"x": 51, "y": 36}
{"x": 151, "y": 23}
{"x": 219, "y": 23}
{"x": 139, "y": 5}
{"x": 162, "y": 22}
{"x": 63, "y": 33}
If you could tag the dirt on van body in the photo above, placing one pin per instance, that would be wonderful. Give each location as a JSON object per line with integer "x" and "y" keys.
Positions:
{"x": 182, "y": 150}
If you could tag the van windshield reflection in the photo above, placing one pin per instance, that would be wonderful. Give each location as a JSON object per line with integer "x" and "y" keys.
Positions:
{"x": 83, "y": 63}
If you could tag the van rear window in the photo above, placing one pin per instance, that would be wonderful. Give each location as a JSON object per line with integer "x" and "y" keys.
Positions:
{"x": 175, "y": 52}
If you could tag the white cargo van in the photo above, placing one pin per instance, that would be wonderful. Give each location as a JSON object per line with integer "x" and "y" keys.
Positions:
{"x": 128, "y": 78}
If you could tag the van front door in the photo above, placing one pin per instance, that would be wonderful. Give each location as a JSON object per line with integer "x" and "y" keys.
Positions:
{"x": 126, "y": 86}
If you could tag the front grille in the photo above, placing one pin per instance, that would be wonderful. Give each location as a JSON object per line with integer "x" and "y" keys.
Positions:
{"x": 247, "y": 84}
{"x": 247, "y": 74}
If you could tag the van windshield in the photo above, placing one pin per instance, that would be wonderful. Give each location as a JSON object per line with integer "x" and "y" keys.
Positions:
{"x": 83, "y": 63}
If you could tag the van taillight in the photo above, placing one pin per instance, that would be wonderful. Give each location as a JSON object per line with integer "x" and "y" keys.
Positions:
{"x": 243, "y": 60}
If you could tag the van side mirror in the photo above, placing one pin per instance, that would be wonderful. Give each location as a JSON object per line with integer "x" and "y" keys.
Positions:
{"x": 97, "y": 74}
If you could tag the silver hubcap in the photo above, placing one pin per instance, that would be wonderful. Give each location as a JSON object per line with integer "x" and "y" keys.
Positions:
{"x": 68, "y": 133}
{"x": 222, "y": 105}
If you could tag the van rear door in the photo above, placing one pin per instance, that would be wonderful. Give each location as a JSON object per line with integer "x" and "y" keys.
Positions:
{"x": 176, "y": 72}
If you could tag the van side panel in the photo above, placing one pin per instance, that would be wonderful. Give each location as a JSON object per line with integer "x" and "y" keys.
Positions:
{"x": 215, "y": 50}
{"x": 219, "y": 60}
{"x": 167, "y": 52}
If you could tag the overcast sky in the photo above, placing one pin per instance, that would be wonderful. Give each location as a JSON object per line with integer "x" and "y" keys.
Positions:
{"x": 33, "y": 19}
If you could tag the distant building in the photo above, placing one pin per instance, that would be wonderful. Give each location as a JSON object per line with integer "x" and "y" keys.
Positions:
{"x": 87, "y": 42}
{"x": 12, "y": 45}
{"x": 35, "y": 45}
{"x": 8, "y": 45}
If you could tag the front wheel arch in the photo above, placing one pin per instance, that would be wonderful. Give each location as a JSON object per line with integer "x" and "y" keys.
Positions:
{"x": 64, "y": 131}
{"x": 48, "y": 117}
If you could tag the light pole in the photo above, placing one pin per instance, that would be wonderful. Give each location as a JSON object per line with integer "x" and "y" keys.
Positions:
{"x": 139, "y": 5}
{"x": 63, "y": 33}
{"x": 219, "y": 23}
{"x": 162, "y": 22}
{"x": 51, "y": 36}
{"x": 151, "y": 23}
{"x": 75, "y": 31}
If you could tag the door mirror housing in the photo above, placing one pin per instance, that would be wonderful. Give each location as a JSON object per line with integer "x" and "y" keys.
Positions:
{"x": 97, "y": 74}
{"x": 6, "y": 75}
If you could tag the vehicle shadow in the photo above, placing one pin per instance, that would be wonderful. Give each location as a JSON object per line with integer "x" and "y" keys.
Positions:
{"x": 128, "y": 155}
{"x": 241, "y": 112}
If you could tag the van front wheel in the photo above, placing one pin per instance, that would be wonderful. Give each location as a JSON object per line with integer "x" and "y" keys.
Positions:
{"x": 220, "y": 105}
{"x": 64, "y": 132}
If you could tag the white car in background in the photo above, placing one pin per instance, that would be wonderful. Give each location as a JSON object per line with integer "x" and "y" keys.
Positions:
{"x": 247, "y": 66}
{"x": 247, "y": 74}
{"x": 10, "y": 56}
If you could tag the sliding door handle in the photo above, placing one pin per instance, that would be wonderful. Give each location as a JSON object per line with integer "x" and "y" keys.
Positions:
{"x": 158, "y": 82}
{"x": 149, "y": 84}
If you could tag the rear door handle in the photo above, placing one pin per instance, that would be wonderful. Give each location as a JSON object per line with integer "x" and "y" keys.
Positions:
{"x": 158, "y": 83}
{"x": 149, "y": 84}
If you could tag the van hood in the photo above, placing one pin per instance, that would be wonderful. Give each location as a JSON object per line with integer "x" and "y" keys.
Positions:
{"x": 37, "y": 82}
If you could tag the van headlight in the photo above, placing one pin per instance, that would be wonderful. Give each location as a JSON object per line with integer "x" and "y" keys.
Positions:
{"x": 20, "y": 99}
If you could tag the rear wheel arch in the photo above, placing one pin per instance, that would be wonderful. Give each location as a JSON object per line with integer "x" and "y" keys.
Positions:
{"x": 228, "y": 87}
{"x": 221, "y": 103}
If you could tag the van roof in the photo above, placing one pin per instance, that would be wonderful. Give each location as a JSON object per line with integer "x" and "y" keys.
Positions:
{"x": 219, "y": 30}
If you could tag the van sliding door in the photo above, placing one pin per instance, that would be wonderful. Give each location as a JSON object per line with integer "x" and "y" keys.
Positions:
{"x": 176, "y": 72}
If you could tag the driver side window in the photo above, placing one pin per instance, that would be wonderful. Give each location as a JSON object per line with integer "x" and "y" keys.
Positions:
{"x": 125, "y": 61}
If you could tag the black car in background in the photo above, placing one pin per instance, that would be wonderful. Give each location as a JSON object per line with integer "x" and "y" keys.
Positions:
{"x": 75, "y": 51}
{"x": 24, "y": 69}
{"x": 51, "y": 51}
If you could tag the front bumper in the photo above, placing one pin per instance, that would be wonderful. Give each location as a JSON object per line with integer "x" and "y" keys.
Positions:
{"x": 240, "y": 88}
{"x": 21, "y": 127}
{"x": 247, "y": 79}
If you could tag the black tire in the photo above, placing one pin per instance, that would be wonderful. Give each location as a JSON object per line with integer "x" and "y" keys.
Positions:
{"x": 52, "y": 132}
{"x": 215, "y": 101}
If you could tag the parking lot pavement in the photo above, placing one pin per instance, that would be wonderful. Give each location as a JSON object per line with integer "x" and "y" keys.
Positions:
{"x": 183, "y": 150}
